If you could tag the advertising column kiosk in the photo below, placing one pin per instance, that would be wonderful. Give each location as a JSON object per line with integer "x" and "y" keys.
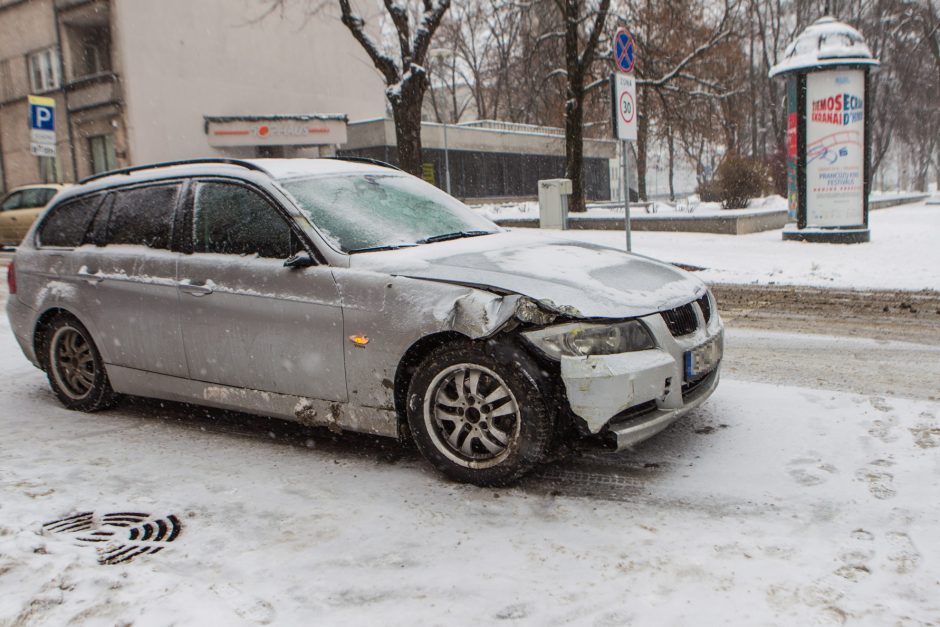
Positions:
{"x": 828, "y": 133}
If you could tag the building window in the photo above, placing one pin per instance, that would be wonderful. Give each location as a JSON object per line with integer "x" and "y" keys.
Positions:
{"x": 50, "y": 169}
{"x": 89, "y": 46}
{"x": 6, "y": 81}
{"x": 96, "y": 50}
{"x": 44, "y": 71}
{"x": 103, "y": 157}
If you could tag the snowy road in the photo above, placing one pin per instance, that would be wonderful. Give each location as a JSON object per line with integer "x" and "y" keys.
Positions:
{"x": 772, "y": 504}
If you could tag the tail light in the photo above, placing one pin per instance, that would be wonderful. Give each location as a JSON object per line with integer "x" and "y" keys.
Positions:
{"x": 11, "y": 277}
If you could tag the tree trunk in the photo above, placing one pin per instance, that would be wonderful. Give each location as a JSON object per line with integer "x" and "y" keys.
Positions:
{"x": 642, "y": 134}
{"x": 574, "y": 150}
{"x": 406, "y": 112}
{"x": 407, "y": 116}
{"x": 672, "y": 164}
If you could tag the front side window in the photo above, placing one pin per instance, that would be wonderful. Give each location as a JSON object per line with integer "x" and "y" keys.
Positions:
{"x": 67, "y": 223}
{"x": 44, "y": 70}
{"x": 35, "y": 197}
{"x": 234, "y": 220}
{"x": 143, "y": 216}
{"x": 362, "y": 212}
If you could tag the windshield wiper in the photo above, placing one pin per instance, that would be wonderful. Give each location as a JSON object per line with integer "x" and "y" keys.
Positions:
{"x": 457, "y": 235}
{"x": 370, "y": 249}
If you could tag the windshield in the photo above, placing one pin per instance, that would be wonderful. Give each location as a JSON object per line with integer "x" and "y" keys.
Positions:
{"x": 373, "y": 211}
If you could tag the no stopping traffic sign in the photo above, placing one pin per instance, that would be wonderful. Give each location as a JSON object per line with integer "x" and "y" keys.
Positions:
{"x": 624, "y": 51}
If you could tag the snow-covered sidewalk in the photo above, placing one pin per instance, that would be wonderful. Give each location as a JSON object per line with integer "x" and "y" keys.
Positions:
{"x": 904, "y": 254}
{"x": 769, "y": 505}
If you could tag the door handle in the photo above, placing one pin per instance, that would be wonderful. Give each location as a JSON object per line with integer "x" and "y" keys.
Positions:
{"x": 91, "y": 277}
{"x": 193, "y": 289}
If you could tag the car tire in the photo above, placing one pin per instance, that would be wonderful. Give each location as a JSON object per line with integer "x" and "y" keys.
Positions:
{"x": 74, "y": 366}
{"x": 479, "y": 415}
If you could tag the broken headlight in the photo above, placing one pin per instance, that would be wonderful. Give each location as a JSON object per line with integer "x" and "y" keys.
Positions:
{"x": 581, "y": 339}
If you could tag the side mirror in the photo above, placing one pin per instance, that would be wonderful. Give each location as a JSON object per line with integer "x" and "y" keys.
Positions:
{"x": 300, "y": 260}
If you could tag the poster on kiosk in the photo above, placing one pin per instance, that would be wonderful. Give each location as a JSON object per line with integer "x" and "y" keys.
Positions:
{"x": 835, "y": 148}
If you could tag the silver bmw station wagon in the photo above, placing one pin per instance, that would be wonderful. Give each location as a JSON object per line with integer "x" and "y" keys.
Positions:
{"x": 344, "y": 293}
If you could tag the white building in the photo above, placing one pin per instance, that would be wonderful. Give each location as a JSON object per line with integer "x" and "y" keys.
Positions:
{"x": 137, "y": 81}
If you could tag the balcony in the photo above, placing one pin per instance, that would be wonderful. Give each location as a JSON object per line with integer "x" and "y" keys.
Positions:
{"x": 92, "y": 91}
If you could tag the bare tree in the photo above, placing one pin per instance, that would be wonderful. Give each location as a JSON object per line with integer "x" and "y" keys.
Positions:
{"x": 582, "y": 27}
{"x": 673, "y": 38}
{"x": 406, "y": 78}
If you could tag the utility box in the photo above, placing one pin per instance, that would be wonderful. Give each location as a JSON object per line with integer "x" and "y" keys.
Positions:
{"x": 553, "y": 203}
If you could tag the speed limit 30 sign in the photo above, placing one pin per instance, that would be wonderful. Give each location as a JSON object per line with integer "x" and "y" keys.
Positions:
{"x": 624, "y": 101}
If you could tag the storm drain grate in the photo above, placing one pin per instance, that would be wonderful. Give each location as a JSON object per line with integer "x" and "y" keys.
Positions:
{"x": 121, "y": 536}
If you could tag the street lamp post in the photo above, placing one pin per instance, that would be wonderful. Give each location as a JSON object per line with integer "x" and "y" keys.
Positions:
{"x": 440, "y": 53}
{"x": 446, "y": 161}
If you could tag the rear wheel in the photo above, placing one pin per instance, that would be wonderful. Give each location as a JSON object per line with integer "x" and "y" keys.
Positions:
{"x": 478, "y": 419}
{"x": 74, "y": 366}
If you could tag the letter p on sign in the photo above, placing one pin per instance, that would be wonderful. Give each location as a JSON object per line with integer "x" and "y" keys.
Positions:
{"x": 41, "y": 113}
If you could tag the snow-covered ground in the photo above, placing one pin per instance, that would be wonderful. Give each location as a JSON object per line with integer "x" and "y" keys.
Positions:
{"x": 769, "y": 505}
{"x": 904, "y": 253}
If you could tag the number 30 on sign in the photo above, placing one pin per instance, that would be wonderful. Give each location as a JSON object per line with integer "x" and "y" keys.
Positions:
{"x": 624, "y": 105}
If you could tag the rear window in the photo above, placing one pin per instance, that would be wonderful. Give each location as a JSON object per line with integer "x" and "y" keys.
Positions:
{"x": 143, "y": 216}
{"x": 67, "y": 223}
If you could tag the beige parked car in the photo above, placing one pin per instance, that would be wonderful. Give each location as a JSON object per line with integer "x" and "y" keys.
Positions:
{"x": 21, "y": 207}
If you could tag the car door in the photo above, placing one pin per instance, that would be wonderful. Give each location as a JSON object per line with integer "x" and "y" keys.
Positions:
{"x": 247, "y": 320}
{"x": 10, "y": 211}
{"x": 130, "y": 276}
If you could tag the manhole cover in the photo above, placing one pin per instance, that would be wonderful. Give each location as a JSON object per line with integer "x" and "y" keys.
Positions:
{"x": 121, "y": 536}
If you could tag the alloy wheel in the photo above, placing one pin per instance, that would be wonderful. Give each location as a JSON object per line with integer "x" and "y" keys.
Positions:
{"x": 73, "y": 362}
{"x": 471, "y": 415}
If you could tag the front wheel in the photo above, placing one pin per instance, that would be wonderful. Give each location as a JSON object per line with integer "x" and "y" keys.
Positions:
{"x": 477, "y": 418}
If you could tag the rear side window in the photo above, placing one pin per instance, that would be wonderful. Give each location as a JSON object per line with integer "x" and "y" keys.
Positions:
{"x": 143, "y": 216}
{"x": 67, "y": 223}
{"x": 234, "y": 220}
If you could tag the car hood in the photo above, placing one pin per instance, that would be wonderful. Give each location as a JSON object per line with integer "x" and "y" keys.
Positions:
{"x": 580, "y": 279}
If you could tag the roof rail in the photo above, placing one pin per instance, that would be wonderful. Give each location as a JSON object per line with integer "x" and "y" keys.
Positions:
{"x": 165, "y": 164}
{"x": 368, "y": 160}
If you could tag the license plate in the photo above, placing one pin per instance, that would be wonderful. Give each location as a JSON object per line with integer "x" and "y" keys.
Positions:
{"x": 702, "y": 359}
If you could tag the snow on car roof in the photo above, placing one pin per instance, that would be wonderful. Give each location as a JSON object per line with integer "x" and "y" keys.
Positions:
{"x": 292, "y": 168}
{"x": 275, "y": 168}
{"x": 826, "y": 42}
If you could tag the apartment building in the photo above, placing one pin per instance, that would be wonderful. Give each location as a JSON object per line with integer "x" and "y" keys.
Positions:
{"x": 138, "y": 81}
{"x": 141, "y": 81}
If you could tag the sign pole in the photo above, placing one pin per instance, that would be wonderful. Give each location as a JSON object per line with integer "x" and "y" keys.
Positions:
{"x": 626, "y": 194}
{"x": 624, "y": 111}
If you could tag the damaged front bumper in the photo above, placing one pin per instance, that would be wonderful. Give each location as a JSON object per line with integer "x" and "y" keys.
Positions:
{"x": 630, "y": 397}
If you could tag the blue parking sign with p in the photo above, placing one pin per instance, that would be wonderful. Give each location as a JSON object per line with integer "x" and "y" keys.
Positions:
{"x": 42, "y": 114}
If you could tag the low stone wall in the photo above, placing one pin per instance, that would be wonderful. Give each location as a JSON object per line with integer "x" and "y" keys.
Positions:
{"x": 731, "y": 223}
{"x": 893, "y": 202}
{"x": 738, "y": 224}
